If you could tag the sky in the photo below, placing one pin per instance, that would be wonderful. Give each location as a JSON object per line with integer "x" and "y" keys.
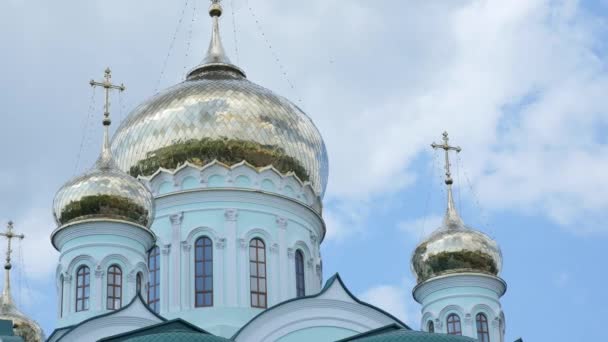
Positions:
{"x": 520, "y": 85}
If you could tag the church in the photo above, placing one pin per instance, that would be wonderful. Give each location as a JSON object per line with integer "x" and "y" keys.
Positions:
{"x": 202, "y": 220}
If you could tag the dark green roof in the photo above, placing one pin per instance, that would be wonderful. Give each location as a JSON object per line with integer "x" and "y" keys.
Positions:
{"x": 395, "y": 333}
{"x": 173, "y": 330}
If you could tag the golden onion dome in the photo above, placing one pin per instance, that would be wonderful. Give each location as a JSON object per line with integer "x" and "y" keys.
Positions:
{"x": 454, "y": 247}
{"x": 217, "y": 114}
{"x": 104, "y": 192}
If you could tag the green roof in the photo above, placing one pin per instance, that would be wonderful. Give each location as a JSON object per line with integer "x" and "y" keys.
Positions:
{"x": 395, "y": 333}
{"x": 169, "y": 331}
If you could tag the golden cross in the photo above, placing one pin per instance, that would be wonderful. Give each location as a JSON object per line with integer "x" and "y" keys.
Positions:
{"x": 9, "y": 235}
{"x": 108, "y": 86}
{"x": 447, "y": 148}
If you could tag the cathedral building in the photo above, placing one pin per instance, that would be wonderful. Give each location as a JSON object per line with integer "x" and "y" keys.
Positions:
{"x": 202, "y": 220}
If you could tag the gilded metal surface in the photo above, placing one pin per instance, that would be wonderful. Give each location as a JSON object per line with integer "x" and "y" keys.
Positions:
{"x": 220, "y": 104}
{"x": 455, "y": 248}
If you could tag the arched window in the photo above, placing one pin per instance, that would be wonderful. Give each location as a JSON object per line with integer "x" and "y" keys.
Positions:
{"x": 257, "y": 273}
{"x": 483, "y": 332}
{"x": 454, "y": 327}
{"x": 61, "y": 296}
{"x": 430, "y": 327}
{"x": 300, "y": 283}
{"x": 83, "y": 286}
{"x": 154, "y": 279}
{"x": 203, "y": 272}
{"x": 138, "y": 280}
{"x": 114, "y": 288}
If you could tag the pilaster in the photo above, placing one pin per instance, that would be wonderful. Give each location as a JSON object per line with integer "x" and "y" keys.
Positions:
{"x": 291, "y": 290}
{"x": 176, "y": 277}
{"x": 218, "y": 272}
{"x": 282, "y": 256}
{"x": 97, "y": 291}
{"x": 187, "y": 298}
{"x": 231, "y": 262}
{"x": 165, "y": 278}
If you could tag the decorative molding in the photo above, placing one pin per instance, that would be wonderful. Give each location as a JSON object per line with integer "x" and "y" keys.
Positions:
{"x": 468, "y": 319}
{"x": 231, "y": 214}
{"x": 310, "y": 263}
{"x": 99, "y": 272}
{"x": 242, "y": 243}
{"x": 496, "y": 322}
{"x": 274, "y": 248}
{"x": 438, "y": 323}
{"x": 176, "y": 219}
{"x": 166, "y": 249}
{"x": 319, "y": 270}
{"x": 220, "y": 243}
{"x": 291, "y": 253}
{"x": 186, "y": 246}
{"x": 132, "y": 276}
{"x": 282, "y": 222}
{"x": 67, "y": 278}
{"x": 313, "y": 238}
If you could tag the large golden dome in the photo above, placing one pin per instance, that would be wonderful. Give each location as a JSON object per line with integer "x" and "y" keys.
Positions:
{"x": 217, "y": 114}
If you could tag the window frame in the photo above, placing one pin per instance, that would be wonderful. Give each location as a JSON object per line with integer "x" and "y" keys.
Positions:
{"x": 153, "y": 275}
{"x": 454, "y": 324}
{"x": 203, "y": 243}
{"x": 261, "y": 296}
{"x": 83, "y": 288}
{"x": 430, "y": 327}
{"x": 482, "y": 327}
{"x": 300, "y": 274}
{"x": 114, "y": 272}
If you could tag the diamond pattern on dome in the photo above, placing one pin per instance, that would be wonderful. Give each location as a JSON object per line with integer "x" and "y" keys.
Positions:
{"x": 222, "y": 107}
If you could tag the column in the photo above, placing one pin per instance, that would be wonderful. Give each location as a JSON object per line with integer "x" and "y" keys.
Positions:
{"x": 282, "y": 255}
{"x": 67, "y": 294}
{"x": 291, "y": 273}
{"x": 187, "y": 295}
{"x": 469, "y": 328}
{"x": 243, "y": 256}
{"x": 96, "y": 293}
{"x": 176, "y": 227}
{"x": 274, "y": 275}
{"x": 218, "y": 272}
{"x": 231, "y": 261}
{"x": 165, "y": 278}
{"x": 314, "y": 285}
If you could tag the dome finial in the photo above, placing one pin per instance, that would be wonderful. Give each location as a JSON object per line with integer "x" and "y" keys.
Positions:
{"x": 106, "y": 155}
{"x": 452, "y": 219}
{"x": 216, "y": 58}
{"x": 9, "y": 234}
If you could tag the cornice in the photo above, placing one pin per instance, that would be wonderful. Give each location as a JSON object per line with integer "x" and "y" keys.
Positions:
{"x": 100, "y": 226}
{"x": 492, "y": 283}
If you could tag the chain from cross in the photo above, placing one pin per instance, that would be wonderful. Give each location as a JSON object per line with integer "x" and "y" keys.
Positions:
{"x": 108, "y": 86}
{"x": 447, "y": 148}
{"x": 9, "y": 235}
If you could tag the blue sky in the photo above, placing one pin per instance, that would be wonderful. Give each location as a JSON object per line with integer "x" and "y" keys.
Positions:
{"x": 521, "y": 85}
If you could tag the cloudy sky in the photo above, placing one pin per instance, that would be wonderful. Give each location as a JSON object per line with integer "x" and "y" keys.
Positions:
{"x": 521, "y": 85}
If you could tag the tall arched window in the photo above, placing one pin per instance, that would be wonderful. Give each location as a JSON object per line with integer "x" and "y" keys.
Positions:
{"x": 138, "y": 280}
{"x": 483, "y": 332}
{"x": 203, "y": 272}
{"x": 454, "y": 327}
{"x": 114, "y": 288}
{"x": 154, "y": 276}
{"x": 300, "y": 283}
{"x": 430, "y": 327}
{"x": 61, "y": 296}
{"x": 257, "y": 273}
{"x": 83, "y": 286}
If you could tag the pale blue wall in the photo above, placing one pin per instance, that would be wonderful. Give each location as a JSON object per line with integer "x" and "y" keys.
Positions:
{"x": 318, "y": 334}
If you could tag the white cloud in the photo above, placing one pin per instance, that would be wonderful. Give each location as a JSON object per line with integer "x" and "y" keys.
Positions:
{"x": 395, "y": 300}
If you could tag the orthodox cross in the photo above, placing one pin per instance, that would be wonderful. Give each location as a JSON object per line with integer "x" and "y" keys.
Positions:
{"x": 447, "y": 148}
{"x": 108, "y": 86}
{"x": 9, "y": 235}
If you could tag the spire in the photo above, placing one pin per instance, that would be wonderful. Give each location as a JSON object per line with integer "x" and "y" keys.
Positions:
{"x": 216, "y": 58}
{"x": 105, "y": 159}
{"x": 7, "y": 299}
{"x": 451, "y": 219}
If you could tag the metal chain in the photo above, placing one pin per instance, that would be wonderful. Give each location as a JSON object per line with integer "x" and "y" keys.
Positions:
{"x": 84, "y": 130}
{"x": 482, "y": 212}
{"x": 189, "y": 37}
{"x": 236, "y": 43}
{"x": 428, "y": 195}
{"x": 171, "y": 45}
{"x": 272, "y": 51}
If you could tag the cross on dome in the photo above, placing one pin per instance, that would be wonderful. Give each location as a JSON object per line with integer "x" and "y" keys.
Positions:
{"x": 108, "y": 86}
{"x": 452, "y": 219}
{"x": 9, "y": 234}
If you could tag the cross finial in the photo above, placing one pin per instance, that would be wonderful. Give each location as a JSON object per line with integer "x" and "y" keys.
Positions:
{"x": 216, "y": 8}
{"x": 9, "y": 235}
{"x": 108, "y": 86}
{"x": 451, "y": 218}
{"x": 447, "y": 148}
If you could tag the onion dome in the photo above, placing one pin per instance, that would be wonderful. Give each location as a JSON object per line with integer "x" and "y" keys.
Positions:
{"x": 23, "y": 326}
{"x": 217, "y": 114}
{"x": 104, "y": 192}
{"x": 454, "y": 247}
